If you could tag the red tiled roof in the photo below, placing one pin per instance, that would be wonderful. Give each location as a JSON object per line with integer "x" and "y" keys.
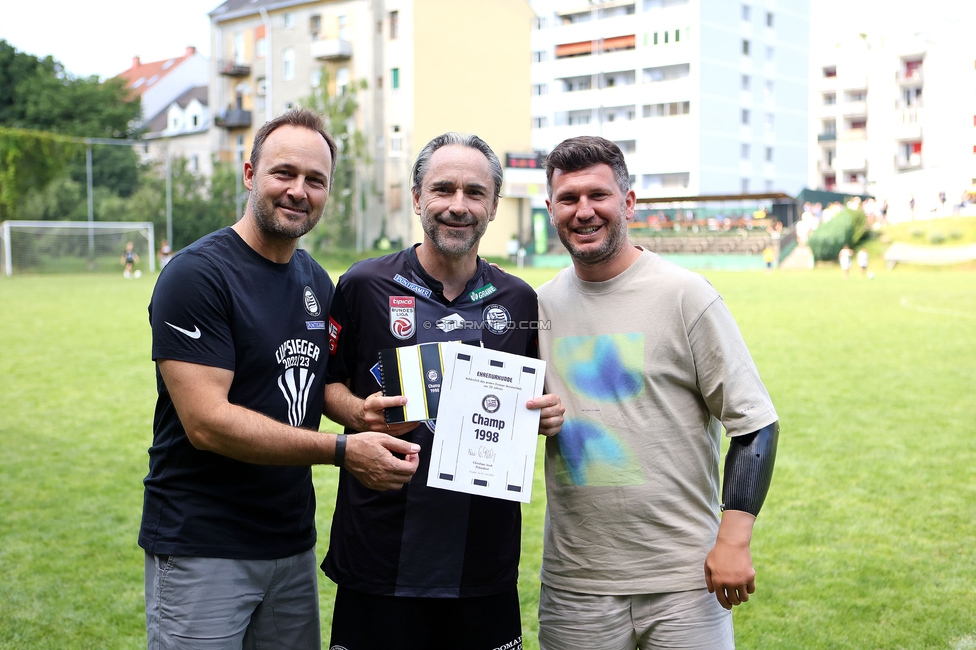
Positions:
{"x": 142, "y": 76}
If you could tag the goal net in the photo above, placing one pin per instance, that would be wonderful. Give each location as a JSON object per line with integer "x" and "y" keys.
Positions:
{"x": 75, "y": 246}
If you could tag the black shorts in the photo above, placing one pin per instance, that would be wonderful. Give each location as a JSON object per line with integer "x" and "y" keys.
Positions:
{"x": 367, "y": 622}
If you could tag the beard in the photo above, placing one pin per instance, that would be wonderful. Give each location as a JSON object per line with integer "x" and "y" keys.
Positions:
{"x": 281, "y": 227}
{"x": 614, "y": 241}
{"x": 450, "y": 243}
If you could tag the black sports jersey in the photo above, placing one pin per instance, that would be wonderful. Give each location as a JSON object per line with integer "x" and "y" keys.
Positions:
{"x": 219, "y": 303}
{"x": 421, "y": 541}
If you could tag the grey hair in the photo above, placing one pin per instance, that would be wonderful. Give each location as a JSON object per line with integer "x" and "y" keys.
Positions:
{"x": 422, "y": 164}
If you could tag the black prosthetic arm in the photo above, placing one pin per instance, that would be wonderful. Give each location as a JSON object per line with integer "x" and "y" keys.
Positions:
{"x": 749, "y": 469}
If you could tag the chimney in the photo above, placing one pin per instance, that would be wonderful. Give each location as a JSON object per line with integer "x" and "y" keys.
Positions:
{"x": 136, "y": 62}
{"x": 190, "y": 50}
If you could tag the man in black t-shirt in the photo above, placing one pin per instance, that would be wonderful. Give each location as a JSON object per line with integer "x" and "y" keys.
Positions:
{"x": 423, "y": 567}
{"x": 240, "y": 344}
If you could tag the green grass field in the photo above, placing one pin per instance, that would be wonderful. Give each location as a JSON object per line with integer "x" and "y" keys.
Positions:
{"x": 867, "y": 539}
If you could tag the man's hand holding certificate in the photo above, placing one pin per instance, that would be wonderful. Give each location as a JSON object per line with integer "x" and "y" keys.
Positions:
{"x": 485, "y": 438}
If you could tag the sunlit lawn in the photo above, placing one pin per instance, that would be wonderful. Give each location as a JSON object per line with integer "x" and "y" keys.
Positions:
{"x": 867, "y": 539}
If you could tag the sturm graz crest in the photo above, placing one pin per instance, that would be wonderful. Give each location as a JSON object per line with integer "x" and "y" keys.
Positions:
{"x": 491, "y": 403}
{"x": 311, "y": 302}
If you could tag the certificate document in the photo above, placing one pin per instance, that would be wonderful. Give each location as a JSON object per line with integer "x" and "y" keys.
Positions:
{"x": 485, "y": 438}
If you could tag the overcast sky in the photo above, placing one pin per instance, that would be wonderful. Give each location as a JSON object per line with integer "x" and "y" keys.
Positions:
{"x": 100, "y": 37}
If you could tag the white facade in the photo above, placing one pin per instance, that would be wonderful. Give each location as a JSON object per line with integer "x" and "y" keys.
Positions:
{"x": 702, "y": 96}
{"x": 895, "y": 117}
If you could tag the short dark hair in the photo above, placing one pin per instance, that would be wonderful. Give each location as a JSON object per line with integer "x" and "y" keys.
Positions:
{"x": 578, "y": 153}
{"x": 300, "y": 117}
{"x": 423, "y": 159}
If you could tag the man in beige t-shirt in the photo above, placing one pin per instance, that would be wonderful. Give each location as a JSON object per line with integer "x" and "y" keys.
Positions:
{"x": 650, "y": 366}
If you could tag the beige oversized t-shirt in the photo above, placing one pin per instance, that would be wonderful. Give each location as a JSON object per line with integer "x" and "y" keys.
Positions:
{"x": 649, "y": 365}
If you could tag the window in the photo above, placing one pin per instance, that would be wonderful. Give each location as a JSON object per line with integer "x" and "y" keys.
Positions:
{"x": 655, "y": 38}
{"x": 261, "y": 48}
{"x": 288, "y": 20}
{"x": 668, "y": 109}
{"x": 769, "y": 186}
{"x": 770, "y": 51}
{"x": 540, "y": 122}
{"x": 768, "y": 123}
{"x": 342, "y": 80}
{"x": 539, "y": 56}
{"x": 745, "y": 47}
{"x": 539, "y": 23}
{"x": 288, "y": 64}
{"x": 746, "y": 12}
{"x": 395, "y": 79}
{"x": 666, "y": 72}
{"x": 856, "y": 95}
{"x": 343, "y": 24}
{"x": 314, "y": 26}
{"x": 315, "y": 79}
{"x": 396, "y": 140}
{"x": 769, "y": 86}
{"x": 829, "y": 99}
{"x": 259, "y": 103}
{"x": 745, "y": 115}
{"x": 677, "y": 35}
{"x": 396, "y": 197}
{"x": 195, "y": 120}
{"x": 744, "y": 152}
{"x": 769, "y": 154}
{"x": 577, "y": 118}
{"x": 769, "y": 19}
{"x": 394, "y": 25}
{"x": 830, "y": 71}
{"x": 540, "y": 89}
{"x": 745, "y": 82}
{"x": 745, "y": 185}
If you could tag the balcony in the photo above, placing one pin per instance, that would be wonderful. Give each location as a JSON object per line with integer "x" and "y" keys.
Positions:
{"x": 331, "y": 49}
{"x": 234, "y": 69}
{"x": 830, "y": 136}
{"x": 233, "y": 118}
{"x": 913, "y": 161}
{"x": 912, "y": 78}
{"x": 825, "y": 167}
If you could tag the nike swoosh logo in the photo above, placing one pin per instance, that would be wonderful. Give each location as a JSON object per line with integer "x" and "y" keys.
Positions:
{"x": 195, "y": 334}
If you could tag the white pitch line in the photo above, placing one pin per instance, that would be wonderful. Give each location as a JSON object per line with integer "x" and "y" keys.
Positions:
{"x": 906, "y": 302}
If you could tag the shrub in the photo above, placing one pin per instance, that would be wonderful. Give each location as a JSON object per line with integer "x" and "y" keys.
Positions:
{"x": 916, "y": 232}
{"x": 936, "y": 237}
{"x": 848, "y": 227}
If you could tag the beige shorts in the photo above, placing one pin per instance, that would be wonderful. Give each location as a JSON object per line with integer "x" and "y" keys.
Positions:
{"x": 685, "y": 619}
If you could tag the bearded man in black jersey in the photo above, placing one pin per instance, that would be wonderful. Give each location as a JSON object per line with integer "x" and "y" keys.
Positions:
{"x": 240, "y": 343}
{"x": 422, "y": 567}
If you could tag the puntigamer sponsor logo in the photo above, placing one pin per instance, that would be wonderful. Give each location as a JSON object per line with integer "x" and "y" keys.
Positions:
{"x": 413, "y": 286}
{"x": 482, "y": 292}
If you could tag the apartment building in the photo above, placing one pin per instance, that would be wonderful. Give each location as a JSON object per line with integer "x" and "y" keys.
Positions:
{"x": 704, "y": 97}
{"x": 429, "y": 65}
{"x": 895, "y": 116}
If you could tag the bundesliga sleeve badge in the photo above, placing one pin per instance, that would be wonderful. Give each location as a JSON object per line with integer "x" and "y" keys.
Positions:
{"x": 403, "y": 318}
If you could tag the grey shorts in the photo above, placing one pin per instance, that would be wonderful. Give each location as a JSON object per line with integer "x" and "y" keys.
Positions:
{"x": 214, "y": 603}
{"x": 691, "y": 620}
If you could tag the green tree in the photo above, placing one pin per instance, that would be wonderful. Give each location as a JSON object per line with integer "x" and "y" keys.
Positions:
{"x": 200, "y": 205}
{"x": 338, "y": 111}
{"x": 29, "y": 161}
{"x": 38, "y": 95}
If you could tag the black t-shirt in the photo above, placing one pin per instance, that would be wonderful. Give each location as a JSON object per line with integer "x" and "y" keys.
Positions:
{"x": 219, "y": 303}
{"x": 422, "y": 541}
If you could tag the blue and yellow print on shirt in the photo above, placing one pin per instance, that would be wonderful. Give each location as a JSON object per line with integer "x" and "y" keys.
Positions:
{"x": 604, "y": 369}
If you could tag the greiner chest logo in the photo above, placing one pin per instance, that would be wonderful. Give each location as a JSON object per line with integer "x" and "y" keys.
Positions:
{"x": 403, "y": 318}
{"x": 312, "y": 305}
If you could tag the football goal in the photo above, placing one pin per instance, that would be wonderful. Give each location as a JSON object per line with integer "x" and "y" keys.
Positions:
{"x": 75, "y": 246}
